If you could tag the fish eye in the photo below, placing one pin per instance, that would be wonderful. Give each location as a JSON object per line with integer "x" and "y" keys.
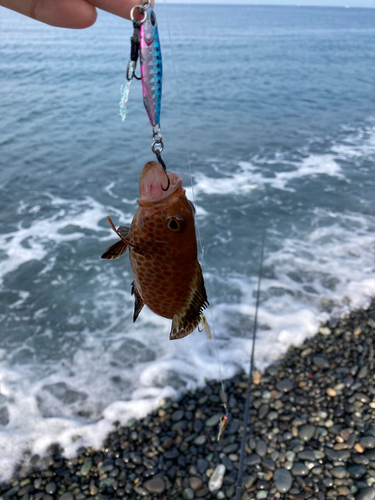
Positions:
{"x": 176, "y": 223}
{"x": 153, "y": 18}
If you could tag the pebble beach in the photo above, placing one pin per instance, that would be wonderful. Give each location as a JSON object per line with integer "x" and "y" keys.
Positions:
{"x": 311, "y": 435}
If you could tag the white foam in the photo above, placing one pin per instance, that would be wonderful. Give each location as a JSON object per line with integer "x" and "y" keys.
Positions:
{"x": 251, "y": 176}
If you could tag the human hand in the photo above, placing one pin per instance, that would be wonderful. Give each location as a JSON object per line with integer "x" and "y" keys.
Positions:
{"x": 75, "y": 14}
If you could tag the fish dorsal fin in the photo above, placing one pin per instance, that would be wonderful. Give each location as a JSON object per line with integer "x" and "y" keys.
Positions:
{"x": 186, "y": 321}
{"x": 138, "y": 302}
{"x": 115, "y": 251}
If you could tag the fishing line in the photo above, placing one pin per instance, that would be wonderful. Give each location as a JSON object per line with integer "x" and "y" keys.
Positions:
{"x": 193, "y": 194}
{"x": 248, "y": 395}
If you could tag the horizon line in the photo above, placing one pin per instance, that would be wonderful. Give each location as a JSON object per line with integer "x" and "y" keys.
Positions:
{"x": 257, "y": 4}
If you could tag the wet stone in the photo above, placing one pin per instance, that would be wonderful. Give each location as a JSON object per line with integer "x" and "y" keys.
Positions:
{"x": 227, "y": 463}
{"x": 331, "y": 454}
{"x": 202, "y": 492}
{"x": 283, "y": 480}
{"x": 248, "y": 481}
{"x": 155, "y": 486}
{"x": 171, "y": 454}
{"x": 233, "y": 427}
{"x": 51, "y": 488}
{"x": 306, "y": 432}
{"x": 366, "y": 494}
{"x": 339, "y": 472}
{"x": 167, "y": 443}
{"x": 188, "y": 494}
{"x": 268, "y": 464}
{"x": 356, "y": 471}
{"x": 261, "y": 448}
{"x": 368, "y": 442}
{"x": 86, "y": 467}
{"x": 107, "y": 466}
{"x": 320, "y": 362}
{"x": 253, "y": 460}
{"x": 351, "y": 440}
{"x": 38, "y": 483}
{"x": 200, "y": 440}
{"x": 299, "y": 469}
{"x": 202, "y": 465}
{"x": 195, "y": 483}
{"x": 198, "y": 426}
{"x": 363, "y": 372}
{"x": 231, "y": 448}
{"x": 177, "y": 415}
{"x": 25, "y": 489}
{"x": 306, "y": 455}
{"x": 107, "y": 482}
{"x": 134, "y": 457}
{"x": 284, "y": 385}
{"x": 263, "y": 410}
{"x": 213, "y": 421}
{"x": 66, "y": 496}
{"x": 141, "y": 491}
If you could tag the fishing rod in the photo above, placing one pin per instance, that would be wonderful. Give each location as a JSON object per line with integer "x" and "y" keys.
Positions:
{"x": 248, "y": 395}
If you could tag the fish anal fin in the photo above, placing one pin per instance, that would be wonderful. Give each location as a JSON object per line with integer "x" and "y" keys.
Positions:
{"x": 115, "y": 251}
{"x": 187, "y": 320}
{"x": 177, "y": 332}
{"x": 138, "y": 302}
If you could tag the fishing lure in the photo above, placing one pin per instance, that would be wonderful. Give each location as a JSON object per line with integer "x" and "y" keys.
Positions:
{"x": 222, "y": 425}
{"x": 205, "y": 327}
{"x": 145, "y": 45}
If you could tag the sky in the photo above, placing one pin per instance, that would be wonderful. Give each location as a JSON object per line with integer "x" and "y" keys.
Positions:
{"x": 327, "y": 3}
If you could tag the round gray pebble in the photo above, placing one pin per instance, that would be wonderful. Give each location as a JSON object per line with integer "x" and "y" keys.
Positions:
{"x": 283, "y": 480}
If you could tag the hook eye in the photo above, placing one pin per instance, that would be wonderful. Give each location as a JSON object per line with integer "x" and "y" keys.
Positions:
{"x": 175, "y": 223}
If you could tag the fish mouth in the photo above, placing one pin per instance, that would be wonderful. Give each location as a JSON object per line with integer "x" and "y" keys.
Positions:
{"x": 153, "y": 184}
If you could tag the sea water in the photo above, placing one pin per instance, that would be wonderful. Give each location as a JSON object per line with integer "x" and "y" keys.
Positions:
{"x": 277, "y": 114}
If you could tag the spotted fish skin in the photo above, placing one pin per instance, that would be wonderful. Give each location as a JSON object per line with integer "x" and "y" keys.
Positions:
{"x": 163, "y": 253}
{"x": 151, "y": 66}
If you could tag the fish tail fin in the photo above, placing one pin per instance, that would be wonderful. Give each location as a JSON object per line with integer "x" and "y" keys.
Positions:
{"x": 115, "y": 251}
{"x": 188, "y": 319}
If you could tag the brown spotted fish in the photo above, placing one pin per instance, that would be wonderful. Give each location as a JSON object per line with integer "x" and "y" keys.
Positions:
{"x": 163, "y": 252}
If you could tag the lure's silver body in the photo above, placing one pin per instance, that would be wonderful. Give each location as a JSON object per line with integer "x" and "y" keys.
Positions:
{"x": 151, "y": 66}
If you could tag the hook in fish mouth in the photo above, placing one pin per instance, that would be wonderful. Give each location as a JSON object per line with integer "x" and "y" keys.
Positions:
{"x": 169, "y": 182}
{"x": 160, "y": 160}
{"x": 156, "y": 183}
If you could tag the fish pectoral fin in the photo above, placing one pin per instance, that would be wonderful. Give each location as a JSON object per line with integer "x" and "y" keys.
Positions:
{"x": 138, "y": 302}
{"x": 124, "y": 231}
{"x": 186, "y": 321}
{"x": 115, "y": 251}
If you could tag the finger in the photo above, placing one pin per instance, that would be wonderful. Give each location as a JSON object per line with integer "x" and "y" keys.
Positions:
{"x": 75, "y": 14}
{"x": 120, "y": 8}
